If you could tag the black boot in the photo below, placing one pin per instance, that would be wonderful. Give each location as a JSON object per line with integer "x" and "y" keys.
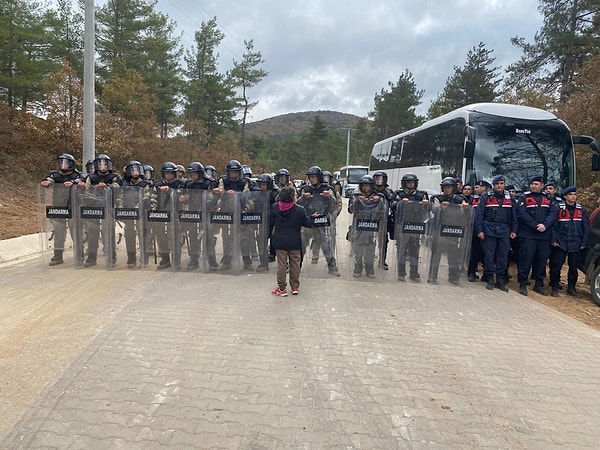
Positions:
{"x": 212, "y": 263}
{"x": 193, "y": 264}
{"x": 523, "y": 289}
{"x": 165, "y": 261}
{"x": 248, "y": 263}
{"x": 57, "y": 258}
{"x": 572, "y": 292}
{"x": 332, "y": 267}
{"x": 539, "y": 288}
{"x": 490, "y": 282}
{"x": 131, "y": 260}
{"x": 90, "y": 261}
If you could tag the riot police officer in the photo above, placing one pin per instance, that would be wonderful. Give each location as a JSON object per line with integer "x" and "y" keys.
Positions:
{"x": 164, "y": 194}
{"x": 135, "y": 188}
{"x": 61, "y": 180}
{"x": 381, "y": 186}
{"x": 495, "y": 225}
{"x": 408, "y": 246}
{"x": 228, "y": 185}
{"x": 102, "y": 178}
{"x": 364, "y": 241}
{"x": 148, "y": 173}
{"x": 446, "y": 244}
{"x": 191, "y": 200}
{"x": 537, "y": 214}
{"x": 318, "y": 199}
{"x": 282, "y": 178}
{"x": 265, "y": 184}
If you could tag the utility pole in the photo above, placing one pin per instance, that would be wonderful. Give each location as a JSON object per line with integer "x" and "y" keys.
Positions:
{"x": 348, "y": 147}
{"x": 89, "y": 116}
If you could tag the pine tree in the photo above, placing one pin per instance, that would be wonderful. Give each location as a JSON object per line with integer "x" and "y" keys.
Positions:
{"x": 132, "y": 35}
{"x": 566, "y": 39}
{"x": 24, "y": 61}
{"x": 394, "y": 110}
{"x": 475, "y": 82}
{"x": 245, "y": 75}
{"x": 209, "y": 96}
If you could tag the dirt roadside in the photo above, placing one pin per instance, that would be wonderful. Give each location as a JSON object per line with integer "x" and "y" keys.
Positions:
{"x": 18, "y": 216}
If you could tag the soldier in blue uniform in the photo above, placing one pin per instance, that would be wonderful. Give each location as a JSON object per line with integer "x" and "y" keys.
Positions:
{"x": 536, "y": 216}
{"x": 495, "y": 225}
{"x": 568, "y": 238}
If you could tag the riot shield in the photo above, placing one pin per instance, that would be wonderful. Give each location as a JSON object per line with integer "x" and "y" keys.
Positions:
{"x": 94, "y": 234}
{"x": 254, "y": 229}
{"x": 131, "y": 230}
{"x": 222, "y": 214}
{"x": 450, "y": 241}
{"x": 367, "y": 238}
{"x": 189, "y": 223}
{"x": 319, "y": 239}
{"x": 412, "y": 227}
{"x": 55, "y": 215}
{"x": 160, "y": 228}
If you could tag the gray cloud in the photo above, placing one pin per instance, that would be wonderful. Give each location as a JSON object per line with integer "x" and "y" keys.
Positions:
{"x": 335, "y": 55}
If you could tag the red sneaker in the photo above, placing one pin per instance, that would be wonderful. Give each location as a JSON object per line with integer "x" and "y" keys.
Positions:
{"x": 280, "y": 292}
{"x": 295, "y": 291}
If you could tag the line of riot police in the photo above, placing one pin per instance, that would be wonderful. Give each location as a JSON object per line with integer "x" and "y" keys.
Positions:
{"x": 221, "y": 223}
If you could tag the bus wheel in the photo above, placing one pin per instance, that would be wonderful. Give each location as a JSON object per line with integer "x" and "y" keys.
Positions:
{"x": 595, "y": 285}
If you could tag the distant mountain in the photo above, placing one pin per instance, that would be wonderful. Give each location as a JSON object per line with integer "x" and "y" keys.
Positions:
{"x": 297, "y": 123}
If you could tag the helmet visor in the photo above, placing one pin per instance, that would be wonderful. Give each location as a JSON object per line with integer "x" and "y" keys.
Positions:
{"x": 102, "y": 165}
{"x": 64, "y": 164}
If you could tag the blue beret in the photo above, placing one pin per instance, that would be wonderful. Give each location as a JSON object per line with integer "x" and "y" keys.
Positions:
{"x": 467, "y": 184}
{"x": 483, "y": 183}
{"x": 498, "y": 179}
{"x": 458, "y": 180}
{"x": 550, "y": 183}
{"x": 537, "y": 178}
{"x": 510, "y": 186}
{"x": 568, "y": 190}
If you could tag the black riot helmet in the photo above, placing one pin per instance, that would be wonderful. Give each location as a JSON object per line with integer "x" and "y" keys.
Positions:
{"x": 315, "y": 170}
{"x": 168, "y": 167}
{"x": 366, "y": 180}
{"x": 380, "y": 178}
{"x": 196, "y": 167}
{"x": 234, "y": 168}
{"x": 409, "y": 177}
{"x": 327, "y": 177}
{"x": 66, "y": 162}
{"x": 265, "y": 178}
{"x": 448, "y": 181}
{"x": 234, "y": 164}
{"x": 246, "y": 171}
{"x": 148, "y": 172}
{"x": 211, "y": 172}
{"x": 89, "y": 166}
{"x": 282, "y": 177}
{"x": 134, "y": 169}
{"x": 103, "y": 163}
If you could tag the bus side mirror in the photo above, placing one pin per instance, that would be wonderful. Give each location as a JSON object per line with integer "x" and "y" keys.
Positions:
{"x": 595, "y": 162}
{"x": 593, "y": 144}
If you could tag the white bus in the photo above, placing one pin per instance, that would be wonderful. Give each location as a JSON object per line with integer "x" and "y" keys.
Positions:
{"x": 479, "y": 141}
{"x": 349, "y": 178}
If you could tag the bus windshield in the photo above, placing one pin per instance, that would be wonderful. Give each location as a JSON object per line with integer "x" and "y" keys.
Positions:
{"x": 520, "y": 151}
{"x": 356, "y": 173}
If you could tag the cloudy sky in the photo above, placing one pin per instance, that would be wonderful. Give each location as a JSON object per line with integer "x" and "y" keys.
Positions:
{"x": 337, "y": 54}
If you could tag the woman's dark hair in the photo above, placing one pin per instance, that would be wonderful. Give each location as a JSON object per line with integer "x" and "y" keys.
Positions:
{"x": 287, "y": 194}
